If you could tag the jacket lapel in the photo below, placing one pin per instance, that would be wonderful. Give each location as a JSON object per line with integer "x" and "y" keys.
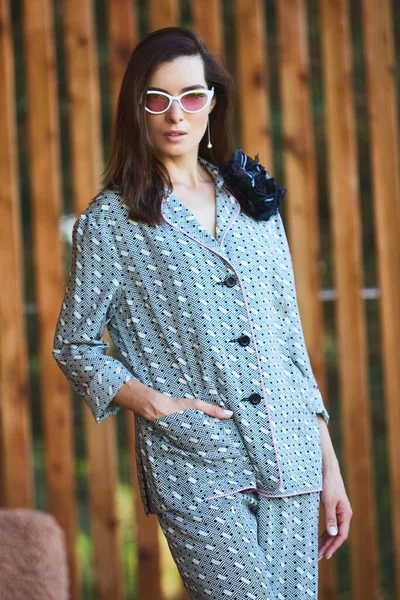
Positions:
{"x": 180, "y": 217}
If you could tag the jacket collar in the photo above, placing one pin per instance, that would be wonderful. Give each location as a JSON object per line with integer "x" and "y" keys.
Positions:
{"x": 180, "y": 217}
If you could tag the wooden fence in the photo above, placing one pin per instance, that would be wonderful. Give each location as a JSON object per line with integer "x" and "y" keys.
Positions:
{"x": 52, "y": 137}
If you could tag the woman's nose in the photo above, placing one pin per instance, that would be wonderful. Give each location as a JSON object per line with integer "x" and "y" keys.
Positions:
{"x": 175, "y": 109}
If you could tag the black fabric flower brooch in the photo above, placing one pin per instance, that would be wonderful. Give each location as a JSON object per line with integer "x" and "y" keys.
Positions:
{"x": 252, "y": 186}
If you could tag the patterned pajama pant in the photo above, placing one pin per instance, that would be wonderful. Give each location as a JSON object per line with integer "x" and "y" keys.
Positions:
{"x": 246, "y": 546}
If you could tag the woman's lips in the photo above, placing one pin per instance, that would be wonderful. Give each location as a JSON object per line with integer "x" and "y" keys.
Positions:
{"x": 175, "y": 138}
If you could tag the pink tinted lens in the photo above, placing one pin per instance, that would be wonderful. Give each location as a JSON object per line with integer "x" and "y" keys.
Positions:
{"x": 194, "y": 101}
{"x": 156, "y": 103}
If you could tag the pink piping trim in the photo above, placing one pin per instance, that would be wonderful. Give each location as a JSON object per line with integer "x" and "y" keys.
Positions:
{"x": 262, "y": 493}
{"x": 233, "y": 219}
{"x": 266, "y": 494}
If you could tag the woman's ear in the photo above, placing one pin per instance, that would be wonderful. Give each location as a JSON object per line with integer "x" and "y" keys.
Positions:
{"x": 212, "y": 104}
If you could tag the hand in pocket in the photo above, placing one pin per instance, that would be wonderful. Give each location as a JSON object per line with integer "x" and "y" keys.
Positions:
{"x": 161, "y": 405}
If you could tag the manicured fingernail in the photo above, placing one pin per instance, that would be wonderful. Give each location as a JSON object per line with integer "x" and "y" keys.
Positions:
{"x": 332, "y": 530}
{"x": 228, "y": 412}
{"x": 321, "y": 557}
{"x": 329, "y": 556}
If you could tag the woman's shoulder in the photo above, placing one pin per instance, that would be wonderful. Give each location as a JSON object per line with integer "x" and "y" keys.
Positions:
{"x": 106, "y": 205}
{"x": 106, "y": 200}
{"x": 104, "y": 216}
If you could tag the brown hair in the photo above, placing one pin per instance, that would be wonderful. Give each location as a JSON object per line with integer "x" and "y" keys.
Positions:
{"x": 133, "y": 170}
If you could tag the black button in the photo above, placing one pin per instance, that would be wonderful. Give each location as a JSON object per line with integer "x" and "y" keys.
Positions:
{"x": 230, "y": 281}
{"x": 244, "y": 340}
{"x": 254, "y": 398}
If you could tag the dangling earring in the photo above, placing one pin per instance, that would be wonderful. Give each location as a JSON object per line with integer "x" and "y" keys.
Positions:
{"x": 209, "y": 145}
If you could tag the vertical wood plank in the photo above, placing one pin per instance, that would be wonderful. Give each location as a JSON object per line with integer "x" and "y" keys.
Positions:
{"x": 378, "y": 25}
{"x": 162, "y": 13}
{"x": 122, "y": 38}
{"x": 252, "y": 80}
{"x": 347, "y": 245}
{"x": 301, "y": 204}
{"x": 83, "y": 100}
{"x": 15, "y": 435}
{"x": 86, "y": 160}
{"x": 208, "y": 22}
{"x": 44, "y": 160}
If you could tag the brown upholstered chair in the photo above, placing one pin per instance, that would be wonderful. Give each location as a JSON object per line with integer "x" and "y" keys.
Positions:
{"x": 33, "y": 560}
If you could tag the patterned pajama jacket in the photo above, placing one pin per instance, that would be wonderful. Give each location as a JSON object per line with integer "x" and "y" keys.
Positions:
{"x": 217, "y": 319}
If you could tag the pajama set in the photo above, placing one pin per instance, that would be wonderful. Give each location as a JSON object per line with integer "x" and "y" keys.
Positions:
{"x": 217, "y": 319}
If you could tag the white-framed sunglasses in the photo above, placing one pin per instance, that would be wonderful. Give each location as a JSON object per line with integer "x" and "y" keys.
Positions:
{"x": 192, "y": 102}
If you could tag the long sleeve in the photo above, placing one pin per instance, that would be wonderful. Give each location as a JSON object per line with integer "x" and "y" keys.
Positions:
{"x": 90, "y": 298}
{"x": 294, "y": 335}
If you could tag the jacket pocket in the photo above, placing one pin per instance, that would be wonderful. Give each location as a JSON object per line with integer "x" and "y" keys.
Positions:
{"x": 191, "y": 430}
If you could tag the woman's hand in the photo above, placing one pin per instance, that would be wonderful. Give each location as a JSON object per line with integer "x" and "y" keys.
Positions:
{"x": 338, "y": 514}
{"x": 338, "y": 511}
{"x": 151, "y": 405}
{"x": 161, "y": 405}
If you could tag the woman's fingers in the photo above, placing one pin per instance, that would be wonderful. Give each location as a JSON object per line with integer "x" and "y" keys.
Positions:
{"x": 337, "y": 540}
{"x": 162, "y": 406}
{"x": 323, "y": 542}
{"x": 328, "y": 544}
{"x": 210, "y": 409}
{"x": 334, "y": 544}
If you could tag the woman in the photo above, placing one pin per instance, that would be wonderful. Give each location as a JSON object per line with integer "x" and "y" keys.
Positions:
{"x": 197, "y": 292}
